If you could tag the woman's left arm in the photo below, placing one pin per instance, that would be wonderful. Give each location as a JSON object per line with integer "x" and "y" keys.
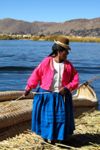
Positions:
{"x": 74, "y": 80}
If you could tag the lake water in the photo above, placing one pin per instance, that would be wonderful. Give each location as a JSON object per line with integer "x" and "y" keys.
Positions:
{"x": 19, "y": 57}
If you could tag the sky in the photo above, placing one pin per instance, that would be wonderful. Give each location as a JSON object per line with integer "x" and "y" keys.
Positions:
{"x": 49, "y": 10}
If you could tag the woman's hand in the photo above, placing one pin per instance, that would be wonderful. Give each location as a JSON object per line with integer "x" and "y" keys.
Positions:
{"x": 26, "y": 92}
{"x": 63, "y": 91}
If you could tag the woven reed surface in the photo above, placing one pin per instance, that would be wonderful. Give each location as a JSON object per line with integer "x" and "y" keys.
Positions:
{"x": 86, "y": 137}
{"x": 12, "y": 95}
{"x": 13, "y": 112}
{"x": 16, "y": 129}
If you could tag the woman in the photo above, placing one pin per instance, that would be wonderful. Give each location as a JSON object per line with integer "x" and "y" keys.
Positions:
{"x": 52, "y": 113}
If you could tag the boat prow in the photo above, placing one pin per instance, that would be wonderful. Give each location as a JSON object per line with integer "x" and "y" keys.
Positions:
{"x": 84, "y": 100}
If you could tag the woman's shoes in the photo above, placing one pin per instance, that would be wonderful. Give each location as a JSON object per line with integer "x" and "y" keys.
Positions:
{"x": 50, "y": 142}
{"x": 53, "y": 142}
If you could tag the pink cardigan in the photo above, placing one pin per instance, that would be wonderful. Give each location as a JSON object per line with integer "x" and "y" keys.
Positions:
{"x": 43, "y": 75}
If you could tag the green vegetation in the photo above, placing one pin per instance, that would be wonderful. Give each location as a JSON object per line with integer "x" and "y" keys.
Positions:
{"x": 48, "y": 38}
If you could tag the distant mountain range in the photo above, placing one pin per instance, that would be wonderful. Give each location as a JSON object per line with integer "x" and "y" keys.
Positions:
{"x": 76, "y": 27}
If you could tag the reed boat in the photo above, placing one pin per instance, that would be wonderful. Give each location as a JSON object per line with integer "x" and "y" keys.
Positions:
{"x": 15, "y": 110}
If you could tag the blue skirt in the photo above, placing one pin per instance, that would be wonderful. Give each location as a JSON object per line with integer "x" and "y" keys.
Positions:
{"x": 52, "y": 116}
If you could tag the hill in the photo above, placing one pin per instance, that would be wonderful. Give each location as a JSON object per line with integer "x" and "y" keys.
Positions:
{"x": 75, "y": 27}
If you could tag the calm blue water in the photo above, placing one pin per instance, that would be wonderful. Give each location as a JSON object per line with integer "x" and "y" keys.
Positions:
{"x": 19, "y": 57}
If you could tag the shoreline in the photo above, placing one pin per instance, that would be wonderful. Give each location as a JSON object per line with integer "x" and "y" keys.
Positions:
{"x": 47, "y": 38}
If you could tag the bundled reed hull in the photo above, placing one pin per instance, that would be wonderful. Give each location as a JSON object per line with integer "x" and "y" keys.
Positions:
{"x": 12, "y": 113}
{"x": 83, "y": 105}
{"x": 13, "y": 95}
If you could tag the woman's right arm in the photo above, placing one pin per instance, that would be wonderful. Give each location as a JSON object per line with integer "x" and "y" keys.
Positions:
{"x": 34, "y": 78}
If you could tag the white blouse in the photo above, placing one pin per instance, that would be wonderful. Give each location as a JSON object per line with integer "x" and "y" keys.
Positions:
{"x": 58, "y": 72}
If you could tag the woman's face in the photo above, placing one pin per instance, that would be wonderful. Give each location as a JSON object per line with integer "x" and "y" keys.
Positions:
{"x": 63, "y": 55}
